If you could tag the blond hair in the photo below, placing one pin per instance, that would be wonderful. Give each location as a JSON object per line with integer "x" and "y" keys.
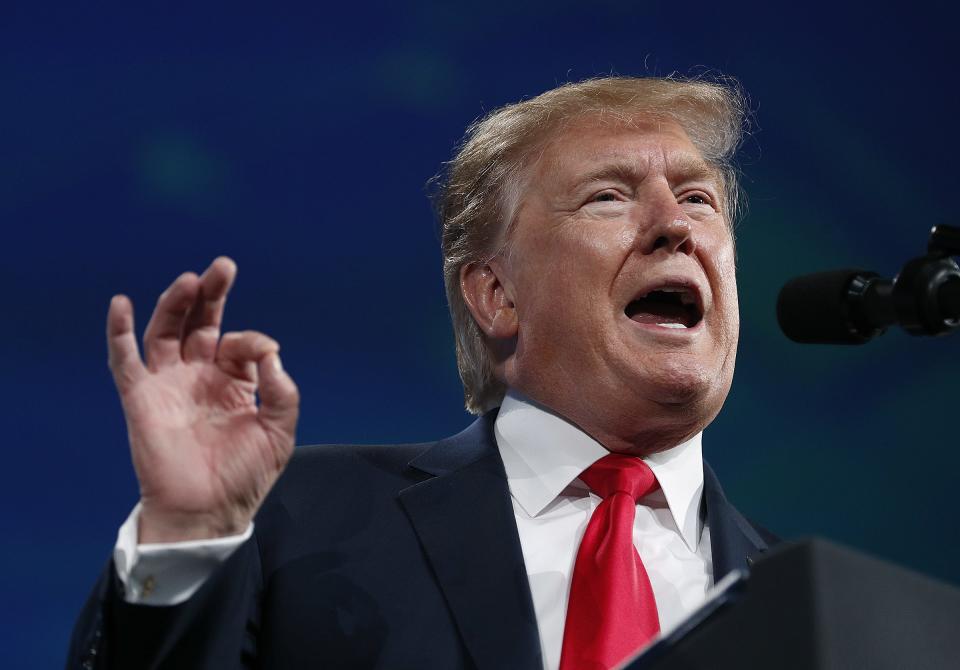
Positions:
{"x": 479, "y": 189}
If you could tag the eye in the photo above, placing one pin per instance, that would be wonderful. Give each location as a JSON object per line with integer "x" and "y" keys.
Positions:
{"x": 696, "y": 199}
{"x": 606, "y": 196}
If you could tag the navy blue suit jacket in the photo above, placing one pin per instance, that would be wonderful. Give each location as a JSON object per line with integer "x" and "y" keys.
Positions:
{"x": 399, "y": 556}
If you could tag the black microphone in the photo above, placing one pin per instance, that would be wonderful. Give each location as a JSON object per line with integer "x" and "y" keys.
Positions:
{"x": 853, "y": 306}
{"x": 835, "y": 307}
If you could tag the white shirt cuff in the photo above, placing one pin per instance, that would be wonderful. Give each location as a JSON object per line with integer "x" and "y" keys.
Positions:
{"x": 167, "y": 573}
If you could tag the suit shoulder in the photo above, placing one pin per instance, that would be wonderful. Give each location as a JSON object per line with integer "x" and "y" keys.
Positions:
{"x": 331, "y": 470}
{"x": 323, "y": 485}
{"x": 324, "y": 456}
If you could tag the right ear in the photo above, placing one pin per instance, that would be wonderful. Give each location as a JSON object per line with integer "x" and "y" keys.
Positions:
{"x": 489, "y": 298}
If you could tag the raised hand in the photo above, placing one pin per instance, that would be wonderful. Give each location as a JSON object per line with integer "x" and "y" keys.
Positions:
{"x": 205, "y": 453}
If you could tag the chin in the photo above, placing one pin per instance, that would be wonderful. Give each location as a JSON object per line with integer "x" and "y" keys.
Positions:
{"x": 675, "y": 382}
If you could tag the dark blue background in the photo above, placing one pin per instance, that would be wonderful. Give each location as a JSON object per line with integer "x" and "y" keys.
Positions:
{"x": 137, "y": 143}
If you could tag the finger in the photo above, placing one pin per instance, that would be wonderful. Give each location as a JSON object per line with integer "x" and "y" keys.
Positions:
{"x": 279, "y": 396}
{"x": 122, "y": 353}
{"x": 239, "y": 353}
{"x": 202, "y": 327}
{"x": 161, "y": 340}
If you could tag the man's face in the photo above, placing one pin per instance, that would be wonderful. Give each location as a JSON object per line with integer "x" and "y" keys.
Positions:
{"x": 621, "y": 269}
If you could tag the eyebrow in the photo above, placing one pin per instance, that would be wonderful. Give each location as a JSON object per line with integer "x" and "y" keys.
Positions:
{"x": 690, "y": 168}
{"x": 682, "y": 168}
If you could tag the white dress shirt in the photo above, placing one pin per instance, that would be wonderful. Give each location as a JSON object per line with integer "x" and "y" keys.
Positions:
{"x": 543, "y": 455}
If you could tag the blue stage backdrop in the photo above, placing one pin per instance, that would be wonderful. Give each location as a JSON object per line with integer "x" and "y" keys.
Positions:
{"x": 138, "y": 143}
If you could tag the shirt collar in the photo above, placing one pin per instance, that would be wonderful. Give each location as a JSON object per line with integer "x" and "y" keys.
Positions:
{"x": 544, "y": 453}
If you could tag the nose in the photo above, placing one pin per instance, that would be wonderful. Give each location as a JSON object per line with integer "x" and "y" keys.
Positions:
{"x": 673, "y": 233}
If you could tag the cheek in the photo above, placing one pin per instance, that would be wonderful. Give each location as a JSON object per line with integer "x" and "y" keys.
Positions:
{"x": 561, "y": 295}
{"x": 565, "y": 273}
{"x": 721, "y": 259}
{"x": 727, "y": 286}
{"x": 727, "y": 273}
{"x": 576, "y": 259}
{"x": 594, "y": 254}
{"x": 607, "y": 236}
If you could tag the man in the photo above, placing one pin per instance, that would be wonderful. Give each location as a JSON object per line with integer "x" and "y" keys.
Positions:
{"x": 589, "y": 265}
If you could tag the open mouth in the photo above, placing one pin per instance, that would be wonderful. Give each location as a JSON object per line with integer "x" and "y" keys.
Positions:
{"x": 668, "y": 307}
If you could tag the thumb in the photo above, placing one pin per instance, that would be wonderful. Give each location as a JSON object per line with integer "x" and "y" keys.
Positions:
{"x": 279, "y": 396}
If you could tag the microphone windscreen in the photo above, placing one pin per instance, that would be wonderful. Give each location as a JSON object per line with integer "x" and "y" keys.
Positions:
{"x": 815, "y": 308}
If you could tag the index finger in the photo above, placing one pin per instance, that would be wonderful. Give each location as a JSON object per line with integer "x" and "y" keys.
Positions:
{"x": 201, "y": 330}
{"x": 161, "y": 339}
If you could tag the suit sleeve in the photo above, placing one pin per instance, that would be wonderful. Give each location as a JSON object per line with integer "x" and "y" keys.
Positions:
{"x": 216, "y": 628}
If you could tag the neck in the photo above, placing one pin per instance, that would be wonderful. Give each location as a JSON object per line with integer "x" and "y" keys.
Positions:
{"x": 637, "y": 432}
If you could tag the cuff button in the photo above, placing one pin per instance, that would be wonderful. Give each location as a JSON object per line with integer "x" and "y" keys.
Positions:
{"x": 149, "y": 584}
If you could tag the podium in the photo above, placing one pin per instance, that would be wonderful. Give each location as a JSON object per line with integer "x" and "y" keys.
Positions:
{"x": 815, "y": 605}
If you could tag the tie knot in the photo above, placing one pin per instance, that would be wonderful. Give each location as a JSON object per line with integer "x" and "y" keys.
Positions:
{"x": 618, "y": 473}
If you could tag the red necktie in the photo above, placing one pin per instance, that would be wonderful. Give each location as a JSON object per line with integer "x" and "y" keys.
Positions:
{"x": 612, "y": 611}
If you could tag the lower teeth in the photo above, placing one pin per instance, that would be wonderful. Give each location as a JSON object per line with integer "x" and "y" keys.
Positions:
{"x": 671, "y": 325}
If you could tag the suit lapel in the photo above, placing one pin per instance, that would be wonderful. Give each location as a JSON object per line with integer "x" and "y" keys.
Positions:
{"x": 464, "y": 520}
{"x": 733, "y": 540}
